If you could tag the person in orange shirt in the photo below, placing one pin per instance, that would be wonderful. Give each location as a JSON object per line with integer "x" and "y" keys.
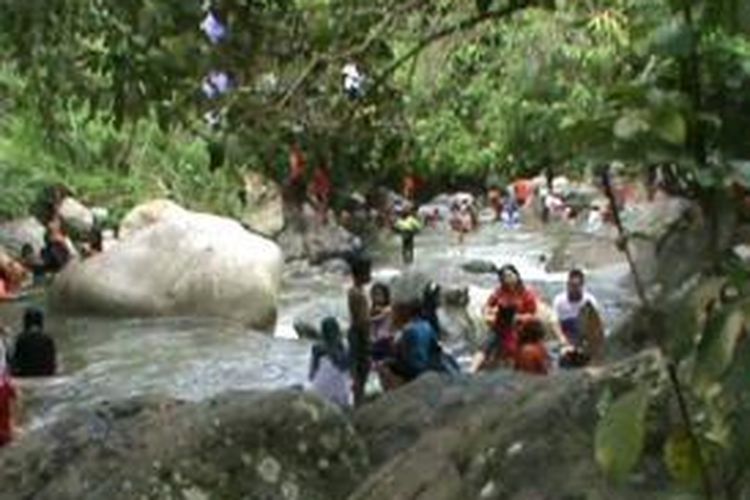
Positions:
{"x": 523, "y": 190}
{"x": 509, "y": 307}
{"x": 532, "y": 356}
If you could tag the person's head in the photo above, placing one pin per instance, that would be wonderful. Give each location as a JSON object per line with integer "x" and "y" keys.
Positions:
{"x": 360, "y": 269}
{"x": 532, "y": 332}
{"x": 330, "y": 332}
{"x": 576, "y": 281}
{"x": 27, "y": 251}
{"x": 509, "y": 277}
{"x": 380, "y": 295}
{"x": 404, "y": 312}
{"x": 33, "y": 319}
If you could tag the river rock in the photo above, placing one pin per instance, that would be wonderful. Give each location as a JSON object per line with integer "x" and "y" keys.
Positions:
{"x": 14, "y": 234}
{"x": 76, "y": 216}
{"x": 264, "y": 210}
{"x": 505, "y": 436}
{"x": 147, "y": 214}
{"x": 309, "y": 239}
{"x": 187, "y": 263}
{"x": 283, "y": 445}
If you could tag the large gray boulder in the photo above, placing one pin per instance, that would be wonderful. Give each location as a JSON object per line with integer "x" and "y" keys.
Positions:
{"x": 283, "y": 445}
{"x": 76, "y": 216}
{"x": 15, "y": 234}
{"x": 506, "y": 436}
{"x": 263, "y": 205}
{"x": 180, "y": 263}
{"x": 306, "y": 238}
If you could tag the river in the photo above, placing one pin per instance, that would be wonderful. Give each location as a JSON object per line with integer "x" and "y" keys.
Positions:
{"x": 106, "y": 359}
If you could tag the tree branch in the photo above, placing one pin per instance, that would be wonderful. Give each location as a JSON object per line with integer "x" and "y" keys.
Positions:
{"x": 462, "y": 25}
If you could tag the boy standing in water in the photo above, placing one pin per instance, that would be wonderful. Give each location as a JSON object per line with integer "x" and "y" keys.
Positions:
{"x": 359, "y": 326}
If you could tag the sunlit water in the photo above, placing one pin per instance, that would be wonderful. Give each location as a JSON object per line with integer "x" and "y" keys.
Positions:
{"x": 104, "y": 359}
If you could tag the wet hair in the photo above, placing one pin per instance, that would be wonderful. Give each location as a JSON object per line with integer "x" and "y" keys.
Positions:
{"x": 514, "y": 270}
{"x": 360, "y": 266}
{"x": 33, "y": 318}
{"x": 532, "y": 331}
{"x": 577, "y": 273}
{"x": 383, "y": 289}
{"x": 332, "y": 342}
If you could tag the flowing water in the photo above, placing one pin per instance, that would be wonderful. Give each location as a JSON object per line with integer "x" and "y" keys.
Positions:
{"x": 105, "y": 359}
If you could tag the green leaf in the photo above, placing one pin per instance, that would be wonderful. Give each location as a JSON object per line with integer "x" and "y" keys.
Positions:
{"x": 628, "y": 126}
{"x": 670, "y": 126}
{"x": 681, "y": 458}
{"x": 717, "y": 345}
{"x": 620, "y": 434}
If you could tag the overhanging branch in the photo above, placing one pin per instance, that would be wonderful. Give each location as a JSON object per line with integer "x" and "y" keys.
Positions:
{"x": 462, "y": 25}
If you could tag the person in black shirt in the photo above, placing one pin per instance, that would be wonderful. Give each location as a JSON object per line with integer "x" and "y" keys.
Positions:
{"x": 34, "y": 354}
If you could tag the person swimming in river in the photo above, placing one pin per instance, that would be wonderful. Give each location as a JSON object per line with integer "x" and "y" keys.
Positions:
{"x": 329, "y": 366}
{"x": 509, "y": 307}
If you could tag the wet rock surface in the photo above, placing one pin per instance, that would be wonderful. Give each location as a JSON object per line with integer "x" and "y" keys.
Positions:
{"x": 284, "y": 445}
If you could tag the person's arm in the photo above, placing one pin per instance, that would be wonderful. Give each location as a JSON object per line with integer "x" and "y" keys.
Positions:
{"x": 314, "y": 362}
{"x": 489, "y": 311}
{"x": 555, "y": 322}
{"x": 527, "y": 310}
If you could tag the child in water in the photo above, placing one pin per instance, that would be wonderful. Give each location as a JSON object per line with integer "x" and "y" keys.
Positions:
{"x": 532, "y": 356}
{"x": 329, "y": 366}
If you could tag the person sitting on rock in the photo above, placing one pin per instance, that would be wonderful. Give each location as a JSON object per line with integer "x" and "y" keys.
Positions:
{"x": 329, "y": 366}
{"x": 416, "y": 349}
{"x": 56, "y": 252}
{"x": 33, "y": 263}
{"x": 532, "y": 356}
{"x": 568, "y": 305}
{"x": 509, "y": 307}
{"x": 34, "y": 354}
{"x": 12, "y": 277}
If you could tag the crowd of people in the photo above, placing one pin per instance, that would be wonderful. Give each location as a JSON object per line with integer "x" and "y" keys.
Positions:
{"x": 398, "y": 341}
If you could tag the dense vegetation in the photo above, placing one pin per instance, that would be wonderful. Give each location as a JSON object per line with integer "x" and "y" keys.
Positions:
{"x": 105, "y": 96}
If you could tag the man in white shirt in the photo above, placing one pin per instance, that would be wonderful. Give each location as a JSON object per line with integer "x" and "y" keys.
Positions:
{"x": 568, "y": 305}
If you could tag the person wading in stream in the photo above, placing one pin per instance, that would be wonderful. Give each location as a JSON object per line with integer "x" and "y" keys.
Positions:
{"x": 34, "y": 354}
{"x": 359, "y": 326}
{"x": 329, "y": 365}
{"x": 509, "y": 307}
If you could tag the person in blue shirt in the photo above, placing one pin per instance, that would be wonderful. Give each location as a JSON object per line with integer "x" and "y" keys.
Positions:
{"x": 417, "y": 349}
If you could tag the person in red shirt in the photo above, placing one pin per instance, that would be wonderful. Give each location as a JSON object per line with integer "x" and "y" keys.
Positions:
{"x": 523, "y": 190}
{"x": 509, "y": 307}
{"x": 532, "y": 356}
{"x": 320, "y": 192}
{"x": 8, "y": 399}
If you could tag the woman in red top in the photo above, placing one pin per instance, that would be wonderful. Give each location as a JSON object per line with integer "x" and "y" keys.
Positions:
{"x": 509, "y": 307}
{"x": 8, "y": 397}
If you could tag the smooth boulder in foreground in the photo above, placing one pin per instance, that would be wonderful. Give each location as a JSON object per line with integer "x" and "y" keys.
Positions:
{"x": 181, "y": 263}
